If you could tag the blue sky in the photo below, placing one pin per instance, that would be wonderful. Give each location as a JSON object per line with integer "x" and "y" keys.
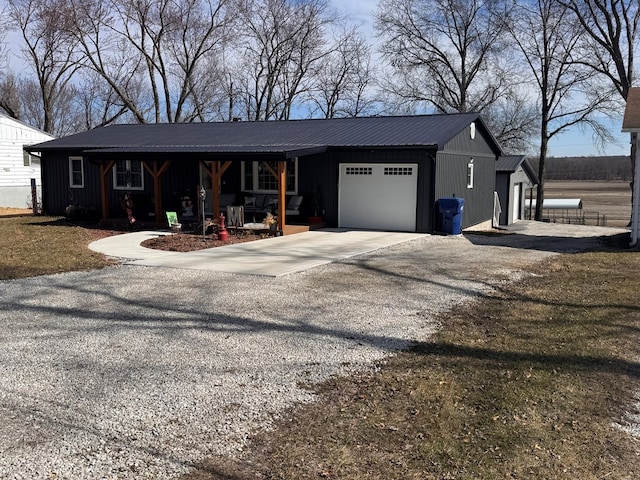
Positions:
{"x": 573, "y": 142}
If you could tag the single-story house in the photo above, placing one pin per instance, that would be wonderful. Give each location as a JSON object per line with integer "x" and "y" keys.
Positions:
{"x": 515, "y": 178}
{"x": 18, "y": 167}
{"x": 383, "y": 173}
{"x": 631, "y": 124}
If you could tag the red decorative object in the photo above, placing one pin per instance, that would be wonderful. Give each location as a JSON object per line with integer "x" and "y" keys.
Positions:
{"x": 223, "y": 235}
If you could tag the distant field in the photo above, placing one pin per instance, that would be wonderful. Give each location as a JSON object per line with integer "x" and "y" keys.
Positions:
{"x": 611, "y": 199}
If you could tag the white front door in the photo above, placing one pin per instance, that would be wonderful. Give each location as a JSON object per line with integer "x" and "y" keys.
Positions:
{"x": 378, "y": 196}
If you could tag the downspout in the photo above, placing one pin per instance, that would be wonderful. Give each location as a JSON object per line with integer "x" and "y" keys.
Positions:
{"x": 635, "y": 208}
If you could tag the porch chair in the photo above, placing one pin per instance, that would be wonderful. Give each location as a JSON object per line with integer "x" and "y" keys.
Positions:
{"x": 172, "y": 220}
{"x": 293, "y": 207}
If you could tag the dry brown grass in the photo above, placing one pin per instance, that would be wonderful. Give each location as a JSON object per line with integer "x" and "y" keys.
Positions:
{"x": 526, "y": 383}
{"x": 33, "y": 246}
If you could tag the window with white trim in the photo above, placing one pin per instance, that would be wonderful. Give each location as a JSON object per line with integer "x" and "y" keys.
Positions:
{"x": 76, "y": 172}
{"x": 470, "y": 174}
{"x": 128, "y": 175}
{"x": 256, "y": 177}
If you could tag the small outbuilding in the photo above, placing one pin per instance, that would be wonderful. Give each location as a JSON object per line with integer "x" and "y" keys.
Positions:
{"x": 18, "y": 167}
{"x": 383, "y": 173}
{"x": 515, "y": 178}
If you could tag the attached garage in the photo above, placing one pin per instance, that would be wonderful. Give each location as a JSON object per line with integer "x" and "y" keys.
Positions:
{"x": 378, "y": 196}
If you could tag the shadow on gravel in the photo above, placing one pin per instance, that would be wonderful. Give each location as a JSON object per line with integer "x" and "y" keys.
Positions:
{"x": 557, "y": 244}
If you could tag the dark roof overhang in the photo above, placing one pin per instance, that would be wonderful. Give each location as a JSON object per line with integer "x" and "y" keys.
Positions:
{"x": 286, "y": 151}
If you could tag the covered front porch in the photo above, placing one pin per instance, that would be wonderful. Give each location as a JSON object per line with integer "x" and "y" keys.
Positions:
{"x": 154, "y": 186}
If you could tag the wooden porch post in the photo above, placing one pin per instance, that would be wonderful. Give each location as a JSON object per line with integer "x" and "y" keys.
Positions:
{"x": 157, "y": 173}
{"x": 105, "y": 169}
{"x": 281, "y": 177}
{"x": 282, "y": 191}
{"x": 217, "y": 170}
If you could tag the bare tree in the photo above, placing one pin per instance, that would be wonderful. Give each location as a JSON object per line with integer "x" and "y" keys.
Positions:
{"x": 513, "y": 119}
{"x": 451, "y": 55}
{"x": 50, "y": 52}
{"x": 9, "y": 96}
{"x": 344, "y": 77}
{"x": 283, "y": 41}
{"x": 443, "y": 52}
{"x": 155, "y": 55}
{"x": 611, "y": 28}
{"x": 548, "y": 39}
{"x": 99, "y": 105}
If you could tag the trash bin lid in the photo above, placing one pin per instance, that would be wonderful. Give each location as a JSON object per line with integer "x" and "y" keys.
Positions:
{"x": 454, "y": 203}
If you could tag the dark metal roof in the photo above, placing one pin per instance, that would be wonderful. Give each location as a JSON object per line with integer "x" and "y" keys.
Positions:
{"x": 290, "y": 138}
{"x": 289, "y": 151}
{"x": 510, "y": 163}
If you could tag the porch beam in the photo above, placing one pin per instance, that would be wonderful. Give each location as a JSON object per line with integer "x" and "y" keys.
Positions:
{"x": 217, "y": 170}
{"x": 156, "y": 173}
{"x": 105, "y": 169}
{"x": 270, "y": 169}
{"x": 215, "y": 174}
{"x": 282, "y": 191}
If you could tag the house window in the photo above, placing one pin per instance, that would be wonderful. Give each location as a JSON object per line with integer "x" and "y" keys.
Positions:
{"x": 470, "y": 174}
{"x": 256, "y": 176}
{"x": 76, "y": 172}
{"x": 128, "y": 175}
{"x": 26, "y": 157}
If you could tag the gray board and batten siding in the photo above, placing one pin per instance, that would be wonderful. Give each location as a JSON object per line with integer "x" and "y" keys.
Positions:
{"x": 451, "y": 174}
{"x": 439, "y": 145}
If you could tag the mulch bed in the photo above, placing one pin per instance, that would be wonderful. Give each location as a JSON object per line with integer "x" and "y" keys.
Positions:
{"x": 188, "y": 242}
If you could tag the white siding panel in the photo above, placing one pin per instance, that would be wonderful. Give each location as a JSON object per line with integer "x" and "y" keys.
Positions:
{"x": 14, "y": 175}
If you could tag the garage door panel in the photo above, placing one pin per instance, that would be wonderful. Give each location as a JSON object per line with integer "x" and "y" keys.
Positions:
{"x": 378, "y": 196}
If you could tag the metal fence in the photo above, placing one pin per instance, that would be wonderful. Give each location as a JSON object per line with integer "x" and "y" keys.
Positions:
{"x": 580, "y": 217}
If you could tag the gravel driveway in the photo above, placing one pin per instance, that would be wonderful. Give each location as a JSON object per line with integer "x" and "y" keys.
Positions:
{"x": 139, "y": 372}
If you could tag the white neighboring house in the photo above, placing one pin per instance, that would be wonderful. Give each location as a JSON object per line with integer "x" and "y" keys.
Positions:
{"x": 17, "y": 167}
{"x": 631, "y": 124}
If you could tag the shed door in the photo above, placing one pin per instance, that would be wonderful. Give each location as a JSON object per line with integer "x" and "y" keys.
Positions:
{"x": 516, "y": 202}
{"x": 378, "y": 196}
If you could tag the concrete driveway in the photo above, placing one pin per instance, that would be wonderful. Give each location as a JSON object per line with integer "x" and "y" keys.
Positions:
{"x": 295, "y": 253}
{"x": 271, "y": 256}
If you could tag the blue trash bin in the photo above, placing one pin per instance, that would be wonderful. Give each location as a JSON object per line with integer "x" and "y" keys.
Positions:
{"x": 451, "y": 215}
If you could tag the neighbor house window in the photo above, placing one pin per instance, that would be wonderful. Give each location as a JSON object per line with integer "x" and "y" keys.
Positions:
{"x": 128, "y": 175}
{"x": 470, "y": 174}
{"x": 76, "y": 172}
{"x": 257, "y": 178}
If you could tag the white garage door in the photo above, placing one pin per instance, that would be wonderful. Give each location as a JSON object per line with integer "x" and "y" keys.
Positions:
{"x": 378, "y": 196}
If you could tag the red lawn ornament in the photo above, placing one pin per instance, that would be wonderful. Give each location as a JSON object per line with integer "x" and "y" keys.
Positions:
{"x": 223, "y": 235}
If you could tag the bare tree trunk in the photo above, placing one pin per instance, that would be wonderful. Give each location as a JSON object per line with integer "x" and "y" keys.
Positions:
{"x": 542, "y": 174}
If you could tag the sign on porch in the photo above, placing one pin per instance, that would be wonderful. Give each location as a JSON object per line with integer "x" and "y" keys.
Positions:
{"x": 235, "y": 216}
